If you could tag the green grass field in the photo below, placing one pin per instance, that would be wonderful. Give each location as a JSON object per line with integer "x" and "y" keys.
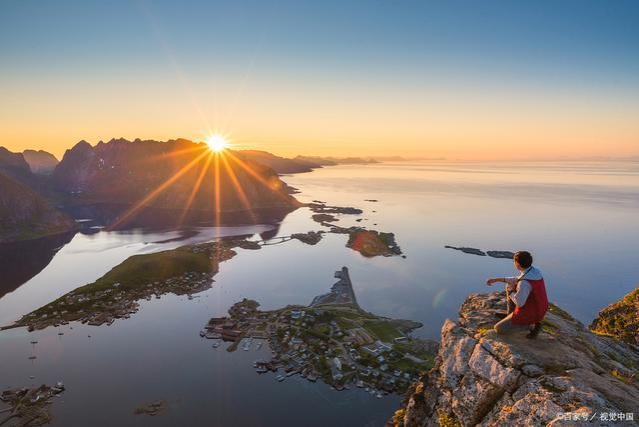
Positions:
{"x": 139, "y": 270}
{"x": 383, "y": 330}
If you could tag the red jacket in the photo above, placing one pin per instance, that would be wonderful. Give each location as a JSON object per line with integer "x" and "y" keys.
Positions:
{"x": 536, "y": 305}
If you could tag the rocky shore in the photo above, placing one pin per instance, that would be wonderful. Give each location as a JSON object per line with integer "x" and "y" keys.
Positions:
{"x": 568, "y": 374}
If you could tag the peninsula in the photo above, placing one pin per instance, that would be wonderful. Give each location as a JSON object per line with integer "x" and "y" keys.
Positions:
{"x": 332, "y": 338}
{"x": 183, "y": 271}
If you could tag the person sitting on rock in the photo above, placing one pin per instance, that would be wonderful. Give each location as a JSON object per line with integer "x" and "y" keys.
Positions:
{"x": 526, "y": 298}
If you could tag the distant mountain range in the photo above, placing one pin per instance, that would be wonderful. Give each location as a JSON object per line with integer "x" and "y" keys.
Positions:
{"x": 145, "y": 183}
{"x": 281, "y": 165}
{"x": 332, "y": 161}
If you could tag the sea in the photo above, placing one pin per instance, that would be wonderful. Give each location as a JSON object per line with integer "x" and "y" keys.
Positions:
{"x": 579, "y": 220}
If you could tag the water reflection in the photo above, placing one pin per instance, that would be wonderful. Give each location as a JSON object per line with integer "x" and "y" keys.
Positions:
{"x": 89, "y": 256}
{"x": 21, "y": 261}
{"x": 97, "y": 216}
{"x": 578, "y": 219}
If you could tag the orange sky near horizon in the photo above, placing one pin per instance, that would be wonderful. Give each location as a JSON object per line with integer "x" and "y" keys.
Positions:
{"x": 487, "y": 124}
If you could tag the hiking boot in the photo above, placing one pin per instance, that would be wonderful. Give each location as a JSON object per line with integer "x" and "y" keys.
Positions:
{"x": 534, "y": 331}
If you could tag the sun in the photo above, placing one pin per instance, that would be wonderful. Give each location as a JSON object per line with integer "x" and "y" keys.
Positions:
{"x": 217, "y": 143}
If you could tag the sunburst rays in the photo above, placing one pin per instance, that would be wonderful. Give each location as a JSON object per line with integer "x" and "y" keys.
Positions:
{"x": 220, "y": 166}
{"x": 135, "y": 209}
{"x": 195, "y": 189}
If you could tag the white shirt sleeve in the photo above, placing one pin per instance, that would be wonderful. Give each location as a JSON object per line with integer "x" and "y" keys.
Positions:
{"x": 523, "y": 291}
{"x": 512, "y": 281}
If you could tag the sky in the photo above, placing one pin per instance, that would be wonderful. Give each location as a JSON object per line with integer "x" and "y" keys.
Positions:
{"x": 494, "y": 80}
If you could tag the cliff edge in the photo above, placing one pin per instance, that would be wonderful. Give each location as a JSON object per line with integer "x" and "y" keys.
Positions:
{"x": 620, "y": 319}
{"x": 481, "y": 378}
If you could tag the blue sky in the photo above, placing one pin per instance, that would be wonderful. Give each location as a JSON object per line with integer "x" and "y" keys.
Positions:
{"x": 398, "y": 51}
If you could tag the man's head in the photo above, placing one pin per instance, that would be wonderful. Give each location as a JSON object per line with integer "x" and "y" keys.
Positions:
{"x": 523, "y": 260}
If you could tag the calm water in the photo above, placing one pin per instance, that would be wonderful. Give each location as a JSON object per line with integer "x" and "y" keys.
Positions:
{"x": 578, "y": 219}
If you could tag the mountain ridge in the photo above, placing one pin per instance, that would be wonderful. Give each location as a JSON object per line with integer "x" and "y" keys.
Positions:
{"x": 170, "y": 176}
{"x": 25, "y": 215}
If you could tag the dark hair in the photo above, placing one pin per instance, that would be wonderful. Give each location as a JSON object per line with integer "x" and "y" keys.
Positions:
{"x": 523, "y": 258}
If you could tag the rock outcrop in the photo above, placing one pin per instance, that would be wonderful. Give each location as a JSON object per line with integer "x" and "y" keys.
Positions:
{"x": 620, "y": 320}
{"x": 481, "y": 378}
{"x": 25, "y": 215}
{"x": 40, "y": 162}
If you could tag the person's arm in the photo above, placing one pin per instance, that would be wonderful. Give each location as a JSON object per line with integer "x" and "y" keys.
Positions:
{"x": 511, "y": 282}
{"x": 523, "y": 291}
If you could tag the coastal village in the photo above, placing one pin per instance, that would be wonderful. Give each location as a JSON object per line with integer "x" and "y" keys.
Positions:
{"x": 331, "y": 339}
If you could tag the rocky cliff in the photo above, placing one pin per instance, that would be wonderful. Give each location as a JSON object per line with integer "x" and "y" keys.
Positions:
{"x": 40, "y": 162}
{"x": 176, "y": 175}
{"x": 25, "y": 215}
{"x": 15, "y": 166}
{"x": 620, "y": 320}
{"x": 481, "y": 378}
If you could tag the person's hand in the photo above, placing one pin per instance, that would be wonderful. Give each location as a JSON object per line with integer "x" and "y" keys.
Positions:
{"x": 490, "y": 282}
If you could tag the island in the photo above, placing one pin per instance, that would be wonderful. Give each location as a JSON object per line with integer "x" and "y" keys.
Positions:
{"x": 152, "y": 409}
{"x": 479, "y": 252}
{"x": 29, "y": 406}
{"x": 369, "y": 243}
{"x": 331, "y": 339}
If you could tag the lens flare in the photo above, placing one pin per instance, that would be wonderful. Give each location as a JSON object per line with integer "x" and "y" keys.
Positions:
{"x": 217, "y": 143}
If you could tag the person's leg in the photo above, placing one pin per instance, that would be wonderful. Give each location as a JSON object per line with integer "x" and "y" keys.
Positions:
{"x": 534, "y": 331}
{"x": 506, "y": 326}
{"x": 510, "y": 307}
